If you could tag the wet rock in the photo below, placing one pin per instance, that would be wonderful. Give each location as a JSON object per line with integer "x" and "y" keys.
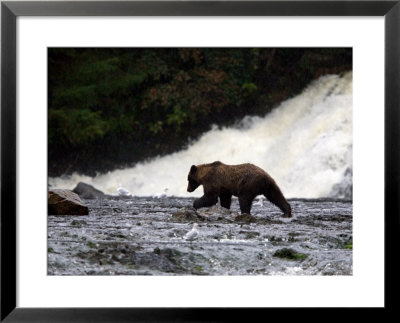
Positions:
{"x": 122, "y": 249}
{"x": 214, "y": 213}
{"x": 184, "y": 216}
{"x": 245, "y": 218}
{"x": 78, "y": 224}
{"x": 250, "y": 234}
{"x": 88, "y": 192}
{"x": 166, "y": 260}
{"x": 65, "y": 202}
{"x": 211, "y": 214}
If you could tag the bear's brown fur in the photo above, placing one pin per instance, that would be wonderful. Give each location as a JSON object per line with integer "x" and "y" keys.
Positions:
{"x": 245, "y": 181}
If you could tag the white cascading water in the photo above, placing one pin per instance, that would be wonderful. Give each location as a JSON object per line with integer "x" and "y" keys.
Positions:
{"x": 305, "y": 144}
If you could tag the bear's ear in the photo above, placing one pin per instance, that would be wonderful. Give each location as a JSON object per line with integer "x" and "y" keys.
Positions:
{"x": 193, "y": 169}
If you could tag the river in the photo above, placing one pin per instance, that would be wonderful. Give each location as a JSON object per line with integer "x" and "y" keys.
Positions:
{"x": 145, "y": 236}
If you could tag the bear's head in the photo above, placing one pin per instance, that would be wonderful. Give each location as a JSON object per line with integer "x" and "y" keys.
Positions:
{"x": 192, "y": 179}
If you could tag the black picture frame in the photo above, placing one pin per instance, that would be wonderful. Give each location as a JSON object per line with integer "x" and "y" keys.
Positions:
{"x": 10, "y": 10}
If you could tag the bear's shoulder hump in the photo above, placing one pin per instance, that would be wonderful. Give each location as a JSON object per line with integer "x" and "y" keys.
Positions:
{"x": 216, "y": 163}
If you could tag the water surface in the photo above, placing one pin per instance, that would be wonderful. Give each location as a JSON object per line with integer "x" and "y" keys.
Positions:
{"x": 144, "y": 236}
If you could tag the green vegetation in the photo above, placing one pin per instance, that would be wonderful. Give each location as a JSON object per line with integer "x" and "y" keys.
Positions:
{"x": 349, "y": 246}
{"x": 91, "y": 244}
{"x": 111, "y": 107}
{"x": 131, "y": 265}
{"x": 76, "y": 223}
{"x": 197, "y": 270}
{"x": 289, "y": 254}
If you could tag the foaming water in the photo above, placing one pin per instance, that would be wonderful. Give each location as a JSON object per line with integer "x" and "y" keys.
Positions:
{"x": 305, "y": 144}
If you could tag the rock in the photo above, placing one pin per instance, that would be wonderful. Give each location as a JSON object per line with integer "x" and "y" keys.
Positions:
{"x": 87, "y": 191}
{"x": 214, "y": 213}
{"x": 65, "y": 202}
{"x": 184, "y": 216}
{"x": 245, "y": 218}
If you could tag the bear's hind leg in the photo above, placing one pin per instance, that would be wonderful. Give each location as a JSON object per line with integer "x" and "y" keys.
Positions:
{"x": 225, "y": 198}
{"x": 205, "y": 201}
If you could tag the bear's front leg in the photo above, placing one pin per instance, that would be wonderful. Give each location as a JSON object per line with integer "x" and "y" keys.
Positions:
{"x": 225, "y": 198}
{"x": 205, "y": 201}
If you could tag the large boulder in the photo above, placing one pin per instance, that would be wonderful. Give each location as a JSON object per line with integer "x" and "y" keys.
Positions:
{"x": 88, "y": 192}
{"x": 65, "y": 202}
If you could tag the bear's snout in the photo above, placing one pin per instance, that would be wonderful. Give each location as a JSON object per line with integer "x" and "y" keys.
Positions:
{"x": 192, "y": 185}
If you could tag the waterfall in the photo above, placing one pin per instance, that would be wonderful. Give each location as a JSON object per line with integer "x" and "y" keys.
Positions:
{"x": 305, "y": 144}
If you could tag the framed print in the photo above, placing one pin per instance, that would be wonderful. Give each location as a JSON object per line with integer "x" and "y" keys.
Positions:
{"x": 285, "y": 112}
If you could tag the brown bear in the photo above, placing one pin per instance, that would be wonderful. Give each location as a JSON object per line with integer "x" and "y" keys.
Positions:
{"x": 245, "y": 181}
